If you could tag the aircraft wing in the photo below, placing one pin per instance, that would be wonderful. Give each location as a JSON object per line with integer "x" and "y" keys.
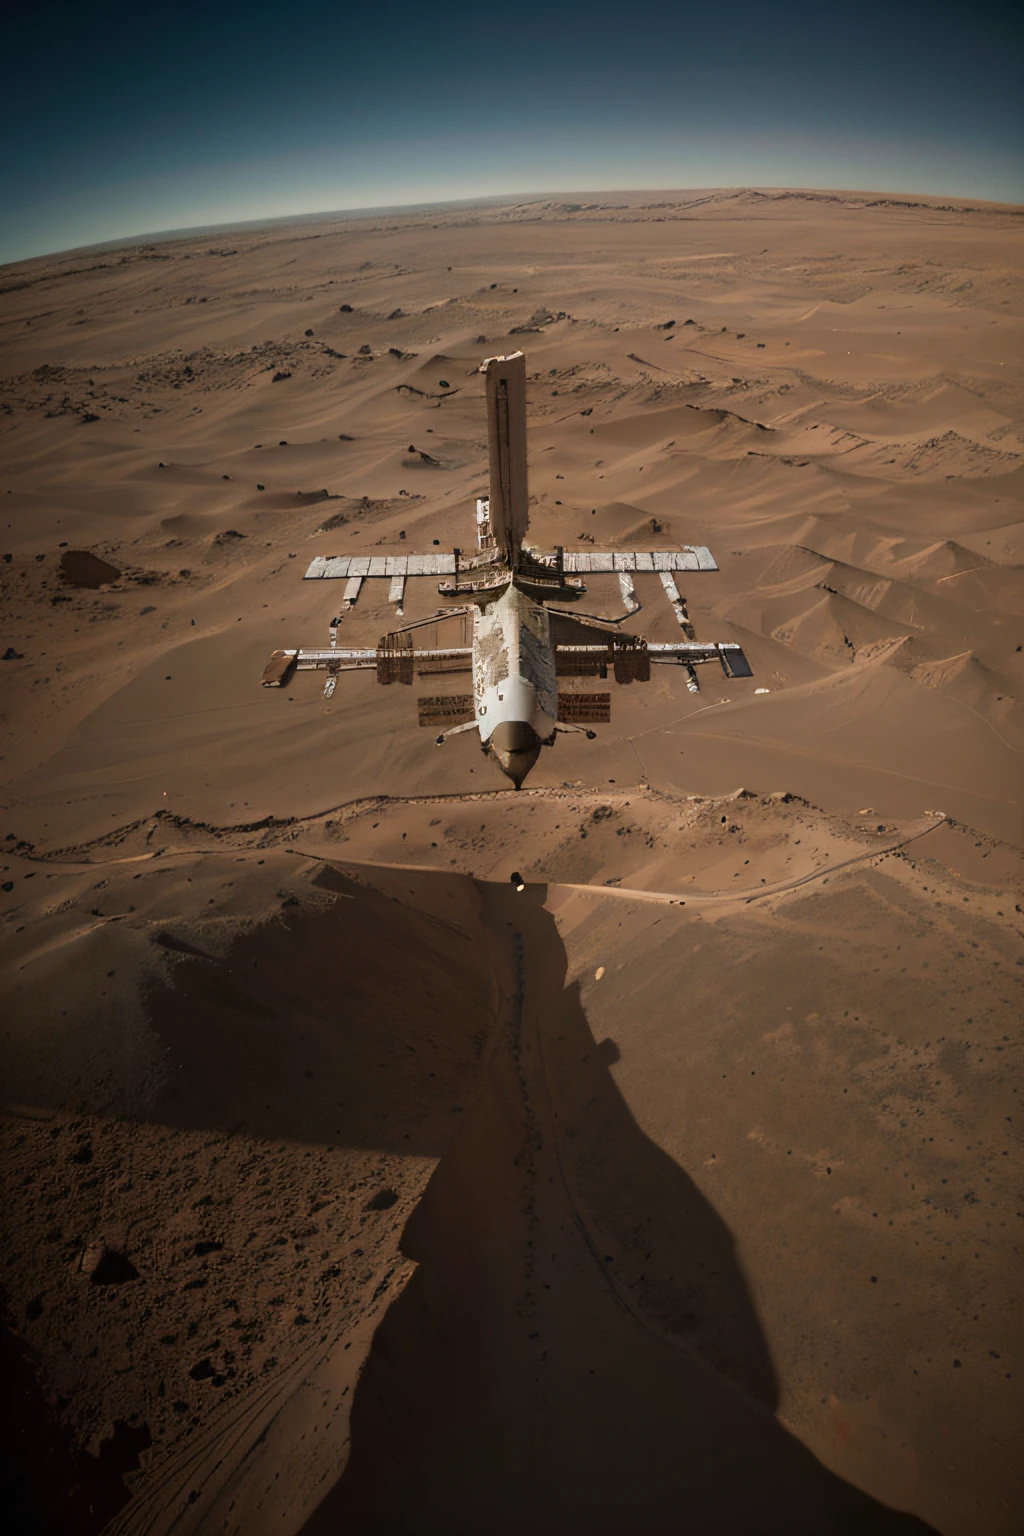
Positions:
{"x": 692, "y": 557}
{"x": 428, "y": 647}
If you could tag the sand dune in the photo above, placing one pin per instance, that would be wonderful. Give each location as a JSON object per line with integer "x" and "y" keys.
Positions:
{"x": 347, "y": 1188}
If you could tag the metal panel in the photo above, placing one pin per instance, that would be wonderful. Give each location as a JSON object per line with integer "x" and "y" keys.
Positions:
{"x": 396, "y": 592}
{"x": 315, "y": 568}
{"x": 644, "y": 560}
{"x": 580, "y": 708}
{"x": 352, "y": 589}
{"x": 705, "y": 559}
{"x": 592, "y": 661}
{"x": 359, "y": 565}
{"x": 378, "y": 566}
{"x": 279, "y": 668}
{"x": 632, "y": 664}
{"x": 734, "y": 663}
{"x": 624, "y": 561}
{"x": 446, "y": 709}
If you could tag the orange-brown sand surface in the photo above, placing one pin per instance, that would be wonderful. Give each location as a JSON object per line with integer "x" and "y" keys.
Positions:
{"x": 344, "y": 1188}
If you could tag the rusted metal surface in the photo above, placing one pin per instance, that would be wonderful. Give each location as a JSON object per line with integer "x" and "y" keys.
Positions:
{"x": 585, "y": 708}
{"x": 446, "y": 709}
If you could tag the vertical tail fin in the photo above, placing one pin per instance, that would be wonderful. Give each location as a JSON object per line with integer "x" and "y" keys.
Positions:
{"x": 506, "y": 433}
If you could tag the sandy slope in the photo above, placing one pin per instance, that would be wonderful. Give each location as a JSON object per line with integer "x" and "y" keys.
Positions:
{"x": 263, "y": 968}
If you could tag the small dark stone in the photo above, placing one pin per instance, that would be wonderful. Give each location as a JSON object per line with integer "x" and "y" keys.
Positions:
{"x": 383, "y": 1200}
{"x": 114, "y": 1269}
{"x": 346, "y": 309}
{"x": 309, "y": 333}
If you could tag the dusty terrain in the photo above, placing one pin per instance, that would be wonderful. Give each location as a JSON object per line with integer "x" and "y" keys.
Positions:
{"x": 345, "y": 1188}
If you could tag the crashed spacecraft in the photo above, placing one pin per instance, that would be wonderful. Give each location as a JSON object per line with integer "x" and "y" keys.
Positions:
{"x": 519, "y": 651}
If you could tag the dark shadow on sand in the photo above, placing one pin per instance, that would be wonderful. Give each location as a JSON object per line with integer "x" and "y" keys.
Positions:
{"x": 577, "y": 1350}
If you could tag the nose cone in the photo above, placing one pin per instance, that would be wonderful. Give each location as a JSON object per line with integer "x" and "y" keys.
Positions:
{"x": 516, "y": 745}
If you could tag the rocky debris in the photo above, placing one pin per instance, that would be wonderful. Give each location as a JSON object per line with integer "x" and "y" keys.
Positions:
{"x": 425, "y": 457}
{"x": 12, "y": 655}
{"x": 281, "y": 373}
{"x": 307, "y": 333}
{"x": 383, "y": 1200}
{"x": 396, "y": 314}
{"x": 228, "y": 535}
{"x": 365, "y": 349}
{"x": 105, "y": 1262}
{"x": 345, "y": 309}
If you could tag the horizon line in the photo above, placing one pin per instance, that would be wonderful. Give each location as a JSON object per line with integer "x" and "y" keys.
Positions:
{"x": 942, "y": 202}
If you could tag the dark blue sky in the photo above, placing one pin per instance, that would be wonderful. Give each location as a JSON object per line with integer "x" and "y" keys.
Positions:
{"x": 123, "y": 120}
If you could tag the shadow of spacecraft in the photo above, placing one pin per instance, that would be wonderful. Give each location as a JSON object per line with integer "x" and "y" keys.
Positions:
{"x": 527, "y": 661}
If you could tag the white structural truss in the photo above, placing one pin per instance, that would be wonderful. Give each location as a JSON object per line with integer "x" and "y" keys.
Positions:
{"x": 692, "y": 557}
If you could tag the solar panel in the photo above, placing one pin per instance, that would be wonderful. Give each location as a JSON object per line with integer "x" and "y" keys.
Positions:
{"x": 585, "y": 708}
{"x": 447, "y": 709}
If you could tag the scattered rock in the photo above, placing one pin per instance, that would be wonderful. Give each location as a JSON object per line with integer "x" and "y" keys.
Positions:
{"x": 346, "y": 309}
{"x": 365, "y": 349}
{"x": 383, "y": 1200}
{"x": 12, "y": 655}
{"x": 282, "y": 373}
{"x": 309, "y": 333}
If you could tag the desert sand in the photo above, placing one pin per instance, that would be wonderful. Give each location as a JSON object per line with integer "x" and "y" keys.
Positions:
{"x": 346, "y": 1189}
